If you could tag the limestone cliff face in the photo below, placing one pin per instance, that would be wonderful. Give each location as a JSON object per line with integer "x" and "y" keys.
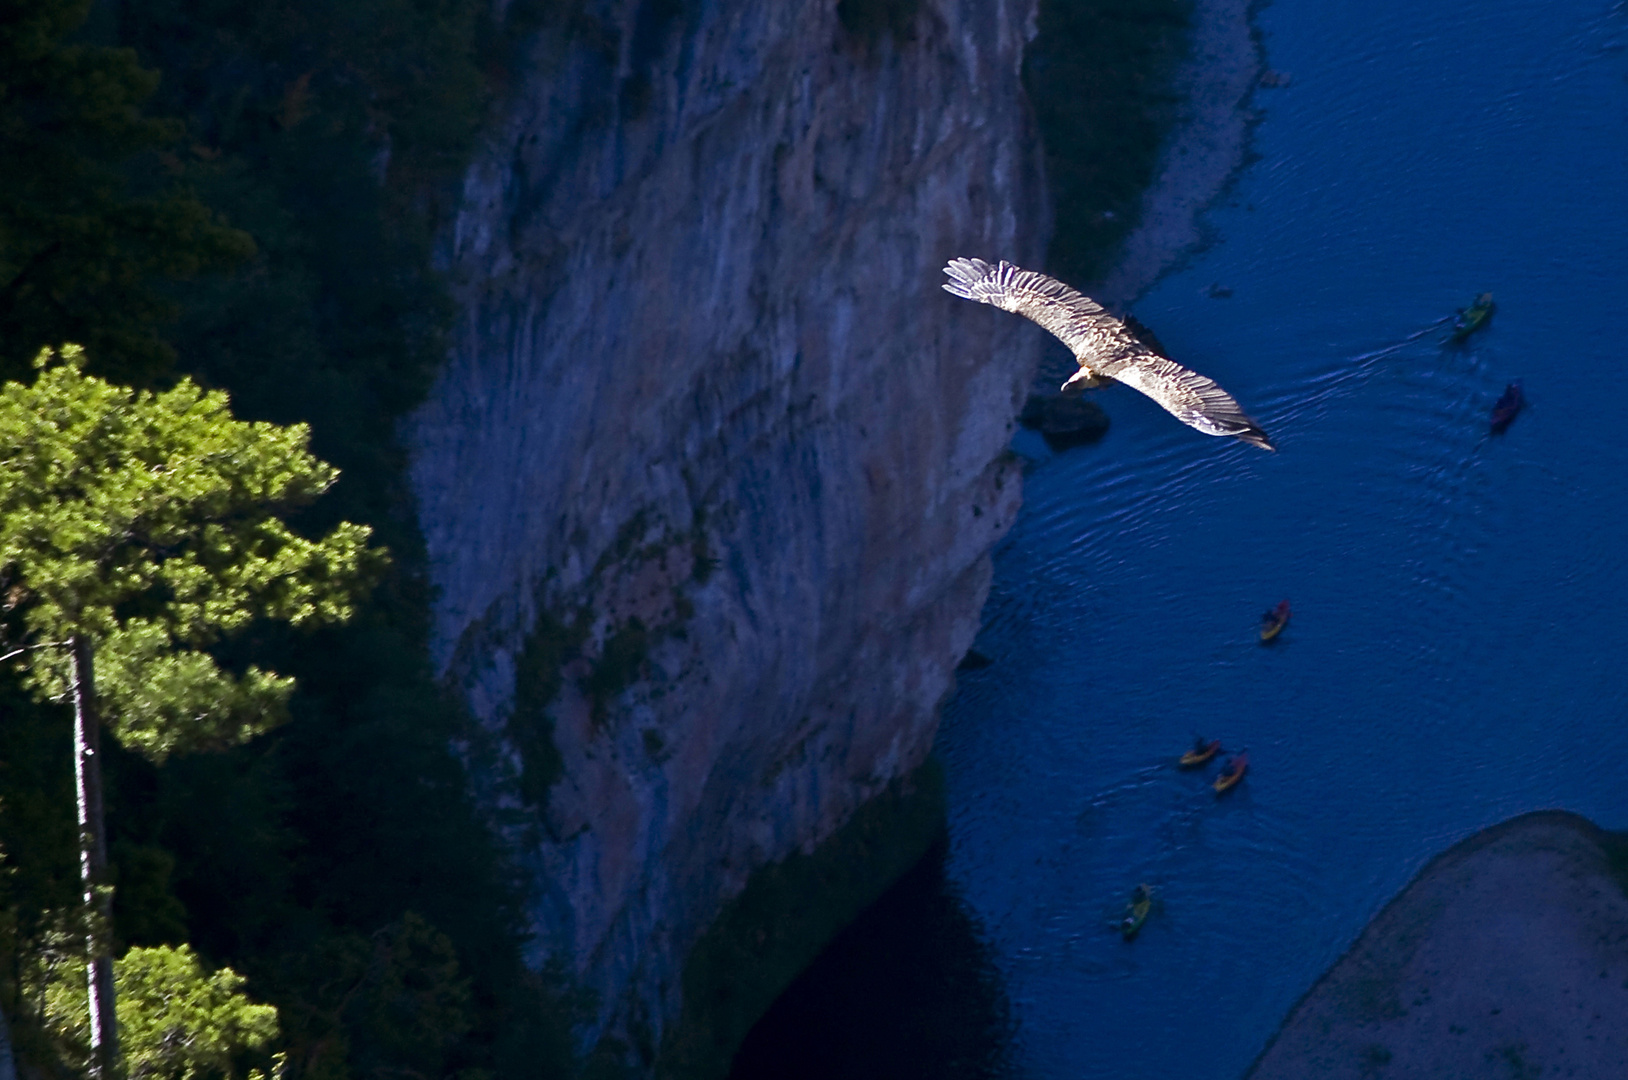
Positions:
{"x": 710, "y": 480}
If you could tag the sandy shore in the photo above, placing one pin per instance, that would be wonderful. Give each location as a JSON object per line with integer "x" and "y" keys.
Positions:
{"x": 1209, "y": 147}
{"x": 1507, "y": 957}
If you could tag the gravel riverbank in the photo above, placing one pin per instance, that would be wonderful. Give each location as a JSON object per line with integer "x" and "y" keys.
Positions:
{"x": 1506, "y": 957}
{"x": 1216, "y": 80}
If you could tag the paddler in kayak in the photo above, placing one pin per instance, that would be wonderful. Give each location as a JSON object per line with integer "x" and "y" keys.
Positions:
{"x": 1474, "y": 317}
{"x": 1201, "y": 752}
{"x": 1232, "y": 772}
{"x": 1507, "y": 407}
{"x": 1273, "y": 622}
{"x": 1136, "y": 912}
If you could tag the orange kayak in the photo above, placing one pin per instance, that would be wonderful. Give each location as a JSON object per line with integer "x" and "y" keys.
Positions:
{"x": 1200, "y": 753}
{"x": 1273, "y": 622}
{"x": 1231, "y": 774}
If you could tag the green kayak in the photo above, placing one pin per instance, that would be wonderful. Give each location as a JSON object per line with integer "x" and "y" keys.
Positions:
{"x": 1136, "y": 912}
{"x": 1474, "y": 317}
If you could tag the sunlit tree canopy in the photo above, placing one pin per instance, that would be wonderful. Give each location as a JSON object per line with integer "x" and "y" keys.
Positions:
{"x": 151, "y": 524}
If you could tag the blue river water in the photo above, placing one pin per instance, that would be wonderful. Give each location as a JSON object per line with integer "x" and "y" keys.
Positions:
{"x": 1459, "y": 647}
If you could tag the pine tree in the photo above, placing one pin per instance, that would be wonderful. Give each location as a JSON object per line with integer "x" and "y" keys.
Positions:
{"x": 138, "y": 529}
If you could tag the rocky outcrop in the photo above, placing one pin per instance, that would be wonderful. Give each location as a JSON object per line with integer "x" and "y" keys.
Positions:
{"x": 711, "y": 477}
{"x": 1064, "y": 420}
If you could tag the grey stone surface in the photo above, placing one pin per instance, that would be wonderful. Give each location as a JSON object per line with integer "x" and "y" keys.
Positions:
{"x": 1506, "y": 957}
{"x": 698, "y": 275}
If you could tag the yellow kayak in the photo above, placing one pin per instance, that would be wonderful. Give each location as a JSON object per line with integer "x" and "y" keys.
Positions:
{"x": 1200, "y": 753}
{"x": 1231, "y": 774}
{"x": 1273, "y": 622}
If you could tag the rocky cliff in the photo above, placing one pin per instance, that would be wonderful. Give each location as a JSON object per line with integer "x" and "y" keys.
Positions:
{"x": 710, "y": 480}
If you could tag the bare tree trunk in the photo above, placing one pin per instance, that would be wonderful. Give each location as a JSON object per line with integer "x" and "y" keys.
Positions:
{"x": 87, "y": 731}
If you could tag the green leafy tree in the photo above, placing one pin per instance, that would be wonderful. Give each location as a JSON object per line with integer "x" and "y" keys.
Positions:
{"x": 335, "y": 133}
{"x": 176, "y": 1020}
{"x": 137, "y": 529}
{"x": 180, "y": 1022}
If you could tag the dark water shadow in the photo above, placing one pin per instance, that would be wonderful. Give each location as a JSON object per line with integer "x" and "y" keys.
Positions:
{"x": 909, "y": 990}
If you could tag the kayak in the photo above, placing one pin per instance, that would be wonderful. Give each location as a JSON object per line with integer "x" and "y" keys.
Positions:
{"x": 1474, "y": 317}
{"x": 1273, "y": 622}
{"x": 1507, "y": 407}
{"x": 1200, "y": 753}
{"x": 1231, "y": 774}
{"x": 1136, "y": 912}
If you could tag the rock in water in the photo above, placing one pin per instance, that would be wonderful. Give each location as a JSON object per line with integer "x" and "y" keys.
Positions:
{"x": 1064, "y": 420}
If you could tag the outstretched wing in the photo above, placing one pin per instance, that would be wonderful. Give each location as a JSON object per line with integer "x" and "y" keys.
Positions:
{"x": 1104, "y": 344}
{"x": 1188, "y": 396}
{"x": 1079, "y": 322}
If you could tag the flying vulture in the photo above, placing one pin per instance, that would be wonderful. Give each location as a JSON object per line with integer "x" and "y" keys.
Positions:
{"x": 1104, "y": 347}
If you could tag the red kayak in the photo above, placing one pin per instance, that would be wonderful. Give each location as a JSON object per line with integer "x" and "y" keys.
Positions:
{"x": 1507, "y": 407}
